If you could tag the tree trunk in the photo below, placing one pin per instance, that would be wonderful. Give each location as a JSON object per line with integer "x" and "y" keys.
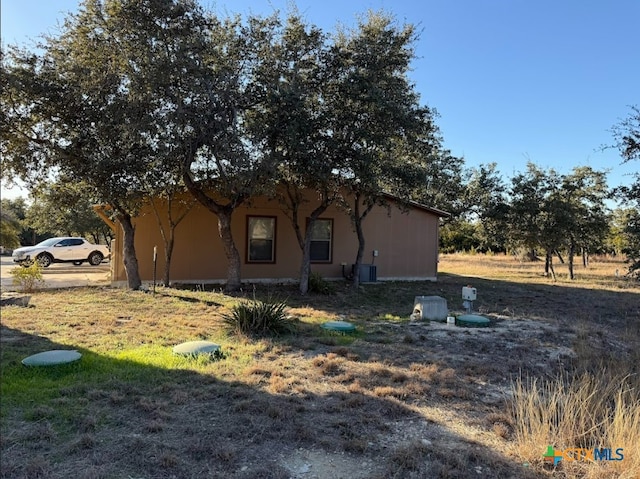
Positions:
{"x": 168, "y": 253}
{"x": 359, "y": 255}
{"x": 167, "y": 241}
{"x": 572, "y": 248}
{"x": 305, "y": 267}
{"x": 559, "y": 257}
{"x": 292, "y": 201}
{"x": 547, "y": 262}
{"x": 233, "y": 257}
{"x": 129, "y": 252}
{"x": 223, "y": 212}
{"x": 358, "y": 218}
{"x": 168, "y": 237}
{"x": 305, "y": 245}
{"x": 553, "y": 271}
{"x": 585, "y": 258}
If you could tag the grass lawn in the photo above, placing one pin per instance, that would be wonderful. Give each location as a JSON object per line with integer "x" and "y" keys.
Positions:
{"x": 558, "y": 366}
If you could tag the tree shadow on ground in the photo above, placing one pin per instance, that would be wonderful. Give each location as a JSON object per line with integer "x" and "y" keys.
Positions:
{"x": 106, "y": 417}
{"x": 190, "y": 299}
{"x": 602, "y": 315}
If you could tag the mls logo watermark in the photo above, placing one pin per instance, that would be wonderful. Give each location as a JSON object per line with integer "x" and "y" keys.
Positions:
{"x": 554, "y": 456}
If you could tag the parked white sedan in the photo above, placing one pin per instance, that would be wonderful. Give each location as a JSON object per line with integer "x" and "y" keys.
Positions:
{"x": 61, "y": 250}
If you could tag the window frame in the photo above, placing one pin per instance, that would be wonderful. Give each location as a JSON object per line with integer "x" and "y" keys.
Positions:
{"x": 248, "y": 259}
{"x": 330, "y": 241}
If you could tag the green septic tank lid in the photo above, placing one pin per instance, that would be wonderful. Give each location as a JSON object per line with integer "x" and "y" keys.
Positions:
{"x": 52, "y": 358}
{"x": 196, "y": 347}
{"x": 472, "y": 321}
{"x": 341, "y": 326}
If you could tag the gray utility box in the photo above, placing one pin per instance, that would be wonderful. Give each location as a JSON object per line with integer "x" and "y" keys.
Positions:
{"x": 368, "y": 273}
{"x": 431, "y": 308}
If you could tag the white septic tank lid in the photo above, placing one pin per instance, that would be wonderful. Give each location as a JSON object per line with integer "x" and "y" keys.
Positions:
{"x": 196, "y": 347}
{"x": 52, "y": 358}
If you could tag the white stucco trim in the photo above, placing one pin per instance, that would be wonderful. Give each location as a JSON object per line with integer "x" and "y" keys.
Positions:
{"x": 149, "y": 284}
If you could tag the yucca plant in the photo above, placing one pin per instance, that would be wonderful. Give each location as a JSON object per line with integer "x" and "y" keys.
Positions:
{"x": 260, "y": 318}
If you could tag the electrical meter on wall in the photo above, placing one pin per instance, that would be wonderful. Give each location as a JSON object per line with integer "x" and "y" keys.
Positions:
{"x": 469, "y": 293}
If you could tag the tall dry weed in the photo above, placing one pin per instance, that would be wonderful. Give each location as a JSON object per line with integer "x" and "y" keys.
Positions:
{"x": 587, "y": 412}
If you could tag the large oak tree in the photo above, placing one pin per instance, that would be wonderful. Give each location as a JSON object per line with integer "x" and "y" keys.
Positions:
{"x": 88, "y": 105}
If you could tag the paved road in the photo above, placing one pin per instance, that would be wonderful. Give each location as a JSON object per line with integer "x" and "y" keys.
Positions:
{"x": 59, "y": 275}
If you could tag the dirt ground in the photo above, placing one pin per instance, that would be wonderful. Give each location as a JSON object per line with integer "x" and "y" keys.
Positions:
{"x": 401, "y": 398}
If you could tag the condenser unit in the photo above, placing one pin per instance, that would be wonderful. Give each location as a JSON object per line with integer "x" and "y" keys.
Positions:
{"x": 368, "y": 273}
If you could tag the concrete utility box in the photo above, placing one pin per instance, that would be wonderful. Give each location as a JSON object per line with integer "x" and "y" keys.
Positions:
{"x": 431, "y": 308}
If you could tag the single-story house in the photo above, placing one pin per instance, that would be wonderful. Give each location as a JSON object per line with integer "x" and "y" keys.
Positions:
{"x": 401, "y": 244}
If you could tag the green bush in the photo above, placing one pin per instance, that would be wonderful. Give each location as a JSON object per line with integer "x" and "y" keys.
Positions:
{"x": 317, "y": 284}
{"x": 259, "y": 318}
{"x": 28, "y": 278}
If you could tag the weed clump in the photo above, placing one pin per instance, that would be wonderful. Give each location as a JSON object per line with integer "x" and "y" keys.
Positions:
{"x": 28, "y": 278}
{"x": 317, "y": 284}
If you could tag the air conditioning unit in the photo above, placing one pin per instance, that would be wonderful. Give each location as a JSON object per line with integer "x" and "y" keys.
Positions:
{"x": 368, "y": 273}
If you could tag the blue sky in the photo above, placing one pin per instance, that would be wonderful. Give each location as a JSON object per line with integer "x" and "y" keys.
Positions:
{"x": 513, "y": 80}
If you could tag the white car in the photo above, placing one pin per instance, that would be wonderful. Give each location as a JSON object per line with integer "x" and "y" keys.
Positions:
{"x": 61, "y": 250}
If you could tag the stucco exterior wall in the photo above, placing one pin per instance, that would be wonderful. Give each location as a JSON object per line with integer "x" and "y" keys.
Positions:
{"x": 407, "y": 244}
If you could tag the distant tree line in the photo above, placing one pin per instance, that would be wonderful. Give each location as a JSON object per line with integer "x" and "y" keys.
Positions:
{"x": 539, "y": 213}
{"x": 545, "y": 214}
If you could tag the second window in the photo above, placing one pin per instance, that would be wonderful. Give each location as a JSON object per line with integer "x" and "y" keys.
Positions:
{"x": 321, "y": 241}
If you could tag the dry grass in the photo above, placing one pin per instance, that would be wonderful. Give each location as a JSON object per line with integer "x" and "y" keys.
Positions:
{"x": 396, "y": 399}
{"x": 584, "y": 412}
{"x": 594, "y": 402}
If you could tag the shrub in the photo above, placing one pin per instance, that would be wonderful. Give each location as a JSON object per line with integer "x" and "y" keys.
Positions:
{"x": 28, "y": 278}
{"x": 259, "y": 318}
{"x": 317, "y": 284}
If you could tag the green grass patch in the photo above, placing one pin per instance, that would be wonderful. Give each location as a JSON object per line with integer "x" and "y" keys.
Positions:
{"x": 393, "y": 318}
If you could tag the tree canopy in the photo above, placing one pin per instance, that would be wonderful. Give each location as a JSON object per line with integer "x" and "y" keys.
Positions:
{"x": 139, "y": 98}
{"x": 627, "y": 136}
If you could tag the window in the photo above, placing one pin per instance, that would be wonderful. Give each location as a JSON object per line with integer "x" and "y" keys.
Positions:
{"x": 261, "y": 231}
{"x": 321, "y": 241}
{"x": 69, "y": 242}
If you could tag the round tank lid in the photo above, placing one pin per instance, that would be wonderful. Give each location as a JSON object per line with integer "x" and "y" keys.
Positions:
{"x": 196, "y": 347}
{"x": 472, "y": 321}
{"x": 52, "y": 358}
{"x": 341, "y": 326}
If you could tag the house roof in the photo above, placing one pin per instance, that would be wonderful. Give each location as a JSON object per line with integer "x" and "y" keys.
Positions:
{"x": 420, "y": 206}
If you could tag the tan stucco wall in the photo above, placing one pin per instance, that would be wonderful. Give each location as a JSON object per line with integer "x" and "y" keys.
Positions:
{"x": 406, "y": 242}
